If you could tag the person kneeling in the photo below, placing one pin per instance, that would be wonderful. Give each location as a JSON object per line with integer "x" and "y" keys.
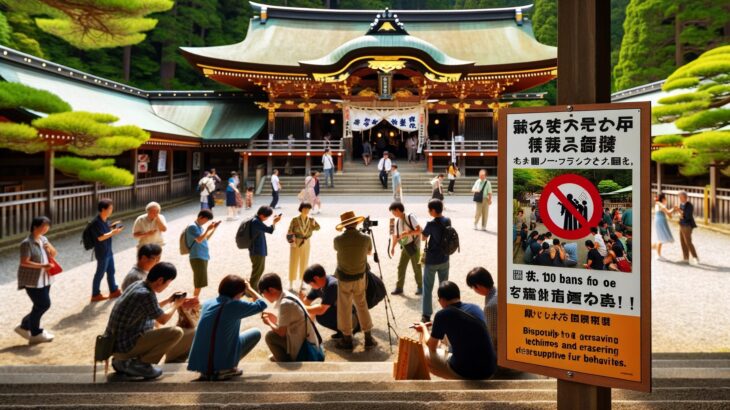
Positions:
{"x": 138, "y": 346}
{"x": 292, "y": 331}
{"x": 218, "y": 346}
{"x": 324, "y": 288}
{"x": 471, "y": 355}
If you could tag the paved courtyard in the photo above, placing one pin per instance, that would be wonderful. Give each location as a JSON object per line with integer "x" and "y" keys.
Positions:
{"x": 689, "y": 314}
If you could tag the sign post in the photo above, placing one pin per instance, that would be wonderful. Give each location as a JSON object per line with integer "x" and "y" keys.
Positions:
{"x": 561, "y": 313}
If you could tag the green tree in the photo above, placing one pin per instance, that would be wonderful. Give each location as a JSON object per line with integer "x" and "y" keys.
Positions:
{"x": 89, "y": 24}
{"x": 608, "y": 185}
{"x": 702, "y": 110}
{"x": 526, "y": 180}
{"x": 661, "y": 35}
{"x": 93, "y": 135}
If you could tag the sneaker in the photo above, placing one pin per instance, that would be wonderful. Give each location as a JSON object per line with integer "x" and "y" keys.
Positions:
{"x": 98, "y": 298}
{"x": 419, "y": 291}
{"x": 272, "y": 358}
{"x": 476, "y": 228}
{"x": 397, "y": 291}
{"x": 370, "y": 341}
{"x": 43, "y": 337}
{"x": 345, "y": 343}
{"x": 684, "y": 261}
{"x": 120, "y": 366}
{"x": 337, "y": 336}
{"x": 117, "y": 293}
{"x": 136, "y": 368}
{"x": 25, "y": 334}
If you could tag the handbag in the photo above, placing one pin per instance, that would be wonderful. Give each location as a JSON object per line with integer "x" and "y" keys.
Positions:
{"x": 55, "y": 268}
{"x": 309, "y": 352}
{"x": 479, "y": 196}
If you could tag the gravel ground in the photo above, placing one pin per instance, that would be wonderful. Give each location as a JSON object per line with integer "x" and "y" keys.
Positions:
{"x": 685, "y": 318}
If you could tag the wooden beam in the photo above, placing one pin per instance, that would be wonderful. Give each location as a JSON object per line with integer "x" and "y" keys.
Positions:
{"x": 584, "y": 77}
{"x": 50, "y": 184}
{"x": 584, "y": 51}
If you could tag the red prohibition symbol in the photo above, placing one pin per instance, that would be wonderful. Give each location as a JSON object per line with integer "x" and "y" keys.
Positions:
{"x": 577, "y": 216}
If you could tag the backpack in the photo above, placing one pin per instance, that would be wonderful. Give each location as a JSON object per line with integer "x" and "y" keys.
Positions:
{"x": 184, "y": 247}
{"x": 244, "y": 238}
{"x": 449, "y": 239}
{"x": 375, "y": 291}
{"x": 87, "y": 237}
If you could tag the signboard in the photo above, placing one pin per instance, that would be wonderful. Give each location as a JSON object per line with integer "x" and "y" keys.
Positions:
{"x": 559, "y": 314}
{"x": 162, "y": 161}
{"x": 143, "y": 161}
{"x": 385, "y": 86}
{"x": 196, "y": 161}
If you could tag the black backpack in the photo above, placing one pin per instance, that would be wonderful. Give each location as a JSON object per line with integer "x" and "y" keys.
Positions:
{"x": 244, "y": 239}
{"x": 87, "y": 237}
{"x": 449, "y": 239}
{"x": 375, "y": 291}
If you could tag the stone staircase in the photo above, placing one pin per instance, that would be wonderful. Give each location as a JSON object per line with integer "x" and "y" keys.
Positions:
{"x": 681, "y": 381}
{"x": 367, "y": 182}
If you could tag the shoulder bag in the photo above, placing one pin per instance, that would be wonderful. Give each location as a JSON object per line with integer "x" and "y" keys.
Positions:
{"x": 309, "y": 352}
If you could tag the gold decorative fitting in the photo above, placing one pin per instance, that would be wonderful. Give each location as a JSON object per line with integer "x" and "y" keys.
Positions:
{"x": 443, "y": 78}
{"x": 386, "y": 66}
{"x": 386, "y": 26}
{"x": 326, "y": 78}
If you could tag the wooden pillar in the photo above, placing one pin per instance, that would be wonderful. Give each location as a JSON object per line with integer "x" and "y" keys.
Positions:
{"x": 171, "y": 171}
{"x": 430, "y": 163}
{"x": 578, "y": 396}
{"x": 584, "y": 77}
{"x": 244, "y": 174}
{"x": 658, "y": 178}
{"x": 340, "y": 160}
{"x": 307, "y": 165}
{"x": 189, "y": 165}
{"x": 307, "y": 108}
{"x": 269, "y": 166}
{"x": 135, "y": 174}
{"x": 50, "y": 184}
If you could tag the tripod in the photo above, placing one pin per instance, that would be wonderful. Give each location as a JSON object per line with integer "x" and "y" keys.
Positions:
{"x": 388, "y": 307}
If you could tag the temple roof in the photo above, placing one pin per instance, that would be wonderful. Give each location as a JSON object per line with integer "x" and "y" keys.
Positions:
{"x": 279, "y": 38}
{"x": 210, "y": 116}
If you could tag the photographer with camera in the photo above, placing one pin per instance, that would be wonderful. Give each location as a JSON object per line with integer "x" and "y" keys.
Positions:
{"x": 353, "y": 248}
{"x": 102, "y": 233}
{"x": 406, "y": 232}
{"x": 138, "y": 346}
{"x": 258, "y": 251}
{"x": 196, "y": 239}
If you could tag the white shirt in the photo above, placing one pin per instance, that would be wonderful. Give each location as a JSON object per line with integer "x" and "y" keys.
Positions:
{"x": 143, "y": 224}
{"x": 292, "y": 316}
{"x": 44, "y": 279}
{"x": 207, "y": 186}
{"x": 385, "y": 164}
{"x": 275, "y": 183}
{"x": 600, "y": 244}
{"x": 327, "y": 162}
{"x": 402, "y": 227}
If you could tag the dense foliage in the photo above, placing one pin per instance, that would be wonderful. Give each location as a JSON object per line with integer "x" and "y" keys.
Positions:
{"x": 700, "y": 108}
{"x": 661, "y": 35}
{"x": 93, "y": 134}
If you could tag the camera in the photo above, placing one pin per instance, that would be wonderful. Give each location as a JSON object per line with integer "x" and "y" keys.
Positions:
{"x": 368, "y": 223}
{"x": 179, "y": 295}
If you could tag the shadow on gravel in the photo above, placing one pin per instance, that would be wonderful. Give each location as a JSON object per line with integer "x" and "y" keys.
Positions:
{"x": 24, "y": 350}
{"x": 79, "y": 320}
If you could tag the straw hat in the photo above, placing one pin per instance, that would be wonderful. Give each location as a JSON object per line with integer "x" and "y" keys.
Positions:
{"x": 349, "y": 218}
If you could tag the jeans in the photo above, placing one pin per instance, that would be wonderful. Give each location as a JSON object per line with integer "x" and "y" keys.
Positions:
{"x": 104, "y": 265}
{"x": 274, "y": 198}
{"x": 452, "y": 182}
{"x": 248, "y": 341}
{"x": 329, "y": 177}
{"x": 41, "y": 299}
{"x": 429, "y": 274}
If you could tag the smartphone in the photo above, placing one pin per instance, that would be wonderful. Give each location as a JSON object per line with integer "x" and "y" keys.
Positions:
{"x": 279, "y": 216}
{"x": 179, "y": 295}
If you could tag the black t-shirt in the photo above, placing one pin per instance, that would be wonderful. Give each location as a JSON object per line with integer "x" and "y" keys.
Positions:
{"x": 535, "y": 248}
{"x": 544, "y": 258}
{"x": 328, "y": 294}
{"x": 434, "y": 231}
{"x": 595, "y": 256}
{"x": 471, "y": 346}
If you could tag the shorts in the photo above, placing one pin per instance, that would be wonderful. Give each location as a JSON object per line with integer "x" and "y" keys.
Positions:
{"x": 200, "y": 272}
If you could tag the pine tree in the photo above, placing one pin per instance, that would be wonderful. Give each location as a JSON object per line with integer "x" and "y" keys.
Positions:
{"x": 701, "y": 111}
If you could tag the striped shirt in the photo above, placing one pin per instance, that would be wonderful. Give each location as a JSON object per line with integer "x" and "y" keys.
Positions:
{"x": 490, "y": 313}
{"x": 32, "y": 277}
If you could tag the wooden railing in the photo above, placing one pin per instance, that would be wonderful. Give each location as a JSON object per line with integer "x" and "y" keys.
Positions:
{"x": 480, "y": 145}
{"x": 299, "y": 145}
{"x": 699, "y": 197}
{"x": 78, "y": 202}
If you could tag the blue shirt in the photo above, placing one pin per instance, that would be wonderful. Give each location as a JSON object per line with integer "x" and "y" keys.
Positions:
{"x": 258, "y": 229}
{"x": 231, "y": 180}
{"x": 434, "y": 230}
{"x": 227, "y": 343}
{"x": 102, "y": 249}
{"x": 396, "y": 181}
{"x": 471, "y": 345}
{"x": 571, "y": 251}
{"x": 197, "y": 250}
